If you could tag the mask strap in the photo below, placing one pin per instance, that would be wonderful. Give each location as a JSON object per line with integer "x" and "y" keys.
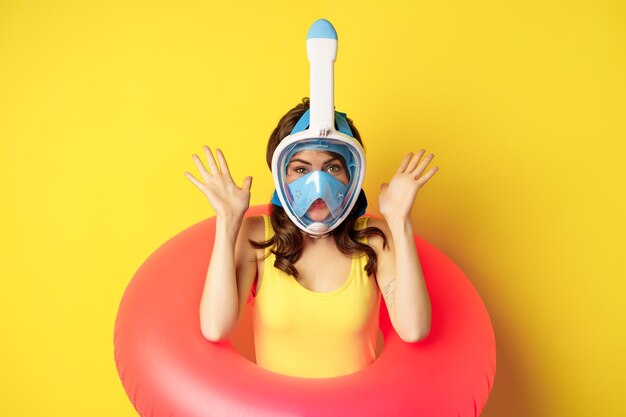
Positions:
{"x": 340, "y": 121}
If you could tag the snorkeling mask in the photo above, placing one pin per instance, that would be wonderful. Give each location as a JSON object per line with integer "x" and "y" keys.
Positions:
{"x": 318, "y": 201}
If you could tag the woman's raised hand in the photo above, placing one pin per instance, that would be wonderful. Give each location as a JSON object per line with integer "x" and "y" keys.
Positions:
{"x": 396, "y": 198}
{"x": 227, "y": 199}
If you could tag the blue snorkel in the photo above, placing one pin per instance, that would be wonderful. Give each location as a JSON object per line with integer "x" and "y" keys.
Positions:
{"x": 324, "y": 129}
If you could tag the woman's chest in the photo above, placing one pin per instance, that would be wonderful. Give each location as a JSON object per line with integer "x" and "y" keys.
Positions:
{"x": 285, "y": 305}
{"x": 321, "y": 273}
{"x": 317, "y": 272}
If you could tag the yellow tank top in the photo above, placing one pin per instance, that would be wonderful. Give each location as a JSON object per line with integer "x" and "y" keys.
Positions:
{"x": 309, "y": 334}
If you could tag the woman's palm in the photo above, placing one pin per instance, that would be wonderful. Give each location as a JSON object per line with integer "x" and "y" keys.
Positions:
{"x": 227, "y": 199}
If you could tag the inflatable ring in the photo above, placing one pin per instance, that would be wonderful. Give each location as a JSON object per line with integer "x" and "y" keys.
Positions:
{"x": 168, "y": 368}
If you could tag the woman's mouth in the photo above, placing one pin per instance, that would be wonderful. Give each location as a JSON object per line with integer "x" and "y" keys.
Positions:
{"x": 319, "y": 203}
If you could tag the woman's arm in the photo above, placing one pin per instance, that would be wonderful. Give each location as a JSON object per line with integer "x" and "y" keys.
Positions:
{"x": 399, "y": 272}
{"x": 228, "y": 268}
{"x": 401, "y": 281}
{"x": 229, "y": 278}
{"x": 219, "y": 303}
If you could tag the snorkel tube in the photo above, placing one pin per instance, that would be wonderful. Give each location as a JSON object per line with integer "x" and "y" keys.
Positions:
{"x": 321, "y": 46}
{"x": 321, "y": 49}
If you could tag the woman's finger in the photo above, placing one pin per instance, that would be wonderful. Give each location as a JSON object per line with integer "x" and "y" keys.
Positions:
{"x": 414, "y": 161}
{"x": 426, "y": 177}
{"x": 422, "y": 166}
{"x": 404, "y": 163}
{"x": 247, "y": 183}
{"x": 222, "y": 161}
{"x": 203, "y": 171}
{"x": 212, "y": 165}
{"x": 193, "y": 179}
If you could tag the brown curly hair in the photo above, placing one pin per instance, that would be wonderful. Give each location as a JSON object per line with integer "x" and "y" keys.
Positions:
{"x": 287, "y": 242}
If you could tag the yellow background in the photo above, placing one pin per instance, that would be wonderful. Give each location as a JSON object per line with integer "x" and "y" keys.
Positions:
{"x": 102, "y": 105}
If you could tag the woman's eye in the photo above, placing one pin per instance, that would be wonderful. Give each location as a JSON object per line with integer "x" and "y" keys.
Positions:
{"x": 300, "y": 170}
{"x": 333, "y": 168}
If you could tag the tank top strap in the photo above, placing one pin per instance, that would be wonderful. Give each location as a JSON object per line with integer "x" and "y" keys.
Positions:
{"x": 361, "y": 223}
{"x": 269, "y": 230}
{"x": 269, "y": 256}
{"x": 361, "y": 259}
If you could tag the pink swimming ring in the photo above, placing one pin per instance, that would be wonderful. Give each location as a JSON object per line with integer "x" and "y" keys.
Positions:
{"x": 168, "y": 369}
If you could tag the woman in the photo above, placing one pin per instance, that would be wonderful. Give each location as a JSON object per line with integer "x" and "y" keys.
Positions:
{"x": 309, "y": 320}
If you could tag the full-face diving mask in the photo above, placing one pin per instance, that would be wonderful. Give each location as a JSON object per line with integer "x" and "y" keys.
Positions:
{"x": 319, "y": 168}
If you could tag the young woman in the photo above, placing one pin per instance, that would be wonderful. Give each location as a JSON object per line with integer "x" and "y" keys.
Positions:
{"x": 309, "y": 319}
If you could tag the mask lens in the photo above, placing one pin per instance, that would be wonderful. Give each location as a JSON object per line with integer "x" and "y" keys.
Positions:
{"x": 319, "y": 179}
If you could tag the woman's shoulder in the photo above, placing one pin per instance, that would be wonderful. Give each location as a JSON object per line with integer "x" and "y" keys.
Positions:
{"x": 253, "y": 227}
{"x": 375, "y": 240}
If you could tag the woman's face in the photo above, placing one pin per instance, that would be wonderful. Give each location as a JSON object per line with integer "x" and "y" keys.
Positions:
{"x": 304, "y": 162}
